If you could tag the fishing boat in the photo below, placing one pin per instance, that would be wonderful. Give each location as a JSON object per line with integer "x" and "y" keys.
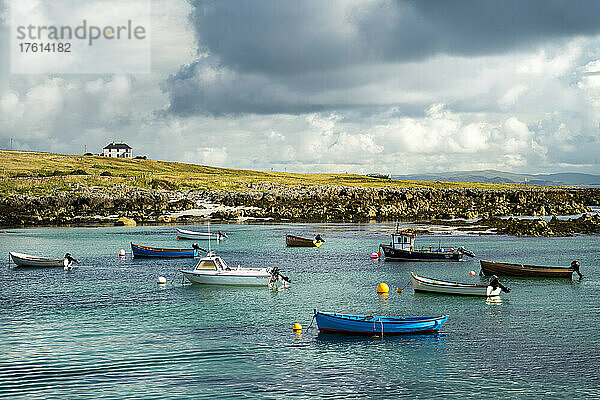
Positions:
{"x": 523, "y": 270}
{"x": 402, "y": 248}
{"x": 185, "y": 234}
{"x": 26, "y": 260}
{"x": 139, "y": 250}
{"x": 377, "y": 325}
{"x": 213, "y": 270}
{"x": 297, "y": 241}
{"x": 424, "y": 284}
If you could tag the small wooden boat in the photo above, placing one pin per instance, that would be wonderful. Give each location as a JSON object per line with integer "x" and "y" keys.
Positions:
{"x": 424, "y": 284}
{"x": 185, "y": 234}
{"x": 297, "y": 241}
{"x": 139, "y": 250}
{"x": 509, "y": 269}
{"x": 402, "y": 248}
{"x": 26, "y": 260}
{"x": 376, "y": 325}
{"x": 212, "y": 270}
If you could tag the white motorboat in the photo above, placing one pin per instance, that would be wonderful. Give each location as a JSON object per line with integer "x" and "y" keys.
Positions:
{"x": 213, "y": 270}
{"x": 26, "y": 260}
{"x": 185, "y": 234}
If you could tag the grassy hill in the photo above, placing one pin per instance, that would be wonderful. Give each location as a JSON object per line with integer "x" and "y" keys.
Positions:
{"x": 41, "y": 173}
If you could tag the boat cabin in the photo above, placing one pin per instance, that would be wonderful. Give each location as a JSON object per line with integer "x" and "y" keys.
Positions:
{"x": 212, "y": 264}
{"x": 403, "y": 241}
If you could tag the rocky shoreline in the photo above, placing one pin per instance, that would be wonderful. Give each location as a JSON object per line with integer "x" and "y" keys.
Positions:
{"x": 301, "y": 204}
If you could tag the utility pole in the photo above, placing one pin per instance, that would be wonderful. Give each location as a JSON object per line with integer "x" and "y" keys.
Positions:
{"x": 10, "y": 144}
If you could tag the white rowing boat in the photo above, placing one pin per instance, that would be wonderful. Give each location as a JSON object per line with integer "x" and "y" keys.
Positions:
{"x": 26, "y": 260}
{"x": 424, "y": 284}
{"x": 185, "y": 234}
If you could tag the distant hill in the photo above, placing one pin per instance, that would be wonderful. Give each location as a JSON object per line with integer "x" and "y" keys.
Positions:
{"x": 492, "y": 176}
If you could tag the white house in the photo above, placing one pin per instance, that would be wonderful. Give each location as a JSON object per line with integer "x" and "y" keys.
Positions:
{"x": 120, "y": 150}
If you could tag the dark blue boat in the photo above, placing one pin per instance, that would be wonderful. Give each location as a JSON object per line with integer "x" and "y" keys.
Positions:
{"x": 147, "y": 251}
{"x": 377, "y": 325}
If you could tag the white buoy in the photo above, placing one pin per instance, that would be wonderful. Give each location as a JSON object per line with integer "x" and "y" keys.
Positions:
{"x": 162, "y": 280}
{"x": 122, "y": 253}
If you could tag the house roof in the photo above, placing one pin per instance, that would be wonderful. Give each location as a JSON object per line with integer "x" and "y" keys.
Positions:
{"x": 114, "y": 145}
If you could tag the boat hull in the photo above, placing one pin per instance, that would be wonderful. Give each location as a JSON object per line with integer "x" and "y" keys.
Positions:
{"x": 392, "y": 254}
{"x": 25, "y": 260}
{"x": 297, "y": 241}
{"x": 423, "y": 284}
{"x": 373, "y": 325}
{"x": 184, "y": 234}
{"x": 148, "y": 251}
{"x": 532, "y": 271}
{"x": 227, "y": 279}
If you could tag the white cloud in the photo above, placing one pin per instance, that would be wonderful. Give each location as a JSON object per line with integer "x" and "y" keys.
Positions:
{"x": 511, "y": 96}
{"x": 531, "y": 109}
{"x": 212, "y": 156}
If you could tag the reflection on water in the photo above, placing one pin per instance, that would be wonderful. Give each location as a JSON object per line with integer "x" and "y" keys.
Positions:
{"x": 437, "y": 339}
{"x": 384, "y": 298}
{"x": 493, "y": 300}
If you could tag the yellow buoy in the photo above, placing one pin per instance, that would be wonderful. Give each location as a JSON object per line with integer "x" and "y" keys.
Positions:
{"x": 383, "y": 288}
{"x": 297, "y": 327}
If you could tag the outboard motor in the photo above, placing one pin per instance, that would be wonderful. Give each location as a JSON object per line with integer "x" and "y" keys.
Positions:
{"x": 465, "y": 251}
{"x": 68, "y": 262}
{"x": 197, "y": 248}
{"x": 70, "y": 259}
{"x": 318, "y": 238}
{"x": 277, "y": 277}
{"x": 575, "y": 266}
{"x": 221, "y": 234}
{"x": 495, "y": 284}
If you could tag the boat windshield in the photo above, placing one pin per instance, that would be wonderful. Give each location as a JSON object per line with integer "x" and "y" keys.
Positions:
{"x": 221, "y": 263}
{"x": 206, "y": 264}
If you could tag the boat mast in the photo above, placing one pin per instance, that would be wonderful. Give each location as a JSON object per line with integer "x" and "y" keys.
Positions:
{"x": 209, "y": 239}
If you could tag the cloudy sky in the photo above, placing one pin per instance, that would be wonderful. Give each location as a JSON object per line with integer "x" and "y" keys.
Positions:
{"x": 318, "y": 86}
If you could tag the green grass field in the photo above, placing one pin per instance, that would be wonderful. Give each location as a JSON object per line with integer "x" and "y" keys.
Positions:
{"x": 41, "y": 173}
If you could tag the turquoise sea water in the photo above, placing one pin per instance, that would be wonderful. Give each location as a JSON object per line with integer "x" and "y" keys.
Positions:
{"x": 106, "y": 330}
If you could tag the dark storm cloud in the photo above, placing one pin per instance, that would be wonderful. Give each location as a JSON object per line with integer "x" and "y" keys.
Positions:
{"x": 204, "y": 88}
{"x": 293, "y": 57}
{"x": 287, "y": 37}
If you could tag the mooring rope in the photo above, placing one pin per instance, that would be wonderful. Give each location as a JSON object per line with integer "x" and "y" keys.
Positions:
{"x": 311, "y": 322}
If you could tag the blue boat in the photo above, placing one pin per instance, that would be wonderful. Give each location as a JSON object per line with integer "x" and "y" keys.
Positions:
{"x": 147, "y": 251}
{"x": 377, "y": 325}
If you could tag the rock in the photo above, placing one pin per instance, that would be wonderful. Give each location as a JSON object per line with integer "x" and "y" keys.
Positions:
{"x": 307, "y": 203}
{"x": 586, "y": 224}
{"x": 165, "y": 219}
{"x": 124, "y": 221}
